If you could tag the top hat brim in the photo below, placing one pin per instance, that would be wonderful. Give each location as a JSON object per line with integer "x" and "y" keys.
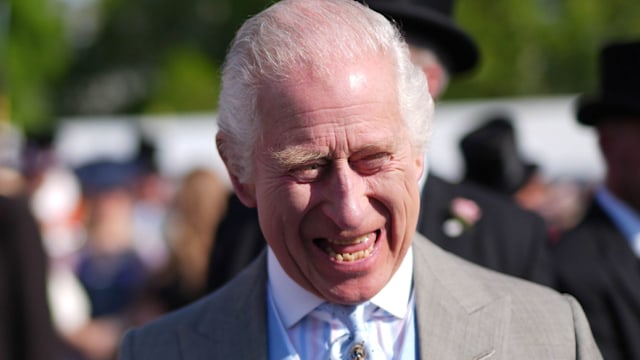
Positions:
{"x": 431, "y": 28}
{"x": 592, "y": 110}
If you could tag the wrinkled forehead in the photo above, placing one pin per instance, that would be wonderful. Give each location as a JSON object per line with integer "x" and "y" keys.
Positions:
{"x": 354, "y": 107}
{"x": 368, "y": 80}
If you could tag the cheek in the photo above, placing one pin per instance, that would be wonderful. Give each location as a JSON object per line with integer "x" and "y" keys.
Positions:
{"x": 398, "y": 191}
{"x": 290, "y": 200}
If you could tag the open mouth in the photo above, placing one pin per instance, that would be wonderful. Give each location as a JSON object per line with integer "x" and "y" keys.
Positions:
{"x": 349, "y": 250}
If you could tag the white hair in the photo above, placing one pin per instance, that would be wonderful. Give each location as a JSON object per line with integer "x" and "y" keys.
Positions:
{"x": 310, "y": 34}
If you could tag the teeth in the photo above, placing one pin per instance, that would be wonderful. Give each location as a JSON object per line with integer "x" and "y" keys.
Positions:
{"x": 355, "y": 241}
{"x": 347, "y": 257}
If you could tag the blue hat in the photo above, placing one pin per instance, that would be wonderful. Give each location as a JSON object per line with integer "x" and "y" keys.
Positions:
{"x": 100, "y": 176}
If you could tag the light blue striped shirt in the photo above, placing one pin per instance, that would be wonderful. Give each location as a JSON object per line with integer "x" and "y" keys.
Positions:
{"x": 298, "y": 331}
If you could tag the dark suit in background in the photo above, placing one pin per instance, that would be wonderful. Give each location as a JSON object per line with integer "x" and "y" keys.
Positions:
{"x": 26, "y": 329}
{"x": 595, "y": 264}
{"x": 505, "y": 238}
{"x": 595, "y": 261}
{"x": 238, "y": 241}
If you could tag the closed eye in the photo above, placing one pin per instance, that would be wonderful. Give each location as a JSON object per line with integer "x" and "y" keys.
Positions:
{"x": 370, "y": 164}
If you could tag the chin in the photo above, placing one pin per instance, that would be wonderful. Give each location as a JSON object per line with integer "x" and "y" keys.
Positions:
{"x": 355, "y": 291}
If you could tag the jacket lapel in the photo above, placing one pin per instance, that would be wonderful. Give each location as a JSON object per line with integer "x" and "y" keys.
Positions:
{"x": 456, "y": 317}
{"x": 233, "y": 321}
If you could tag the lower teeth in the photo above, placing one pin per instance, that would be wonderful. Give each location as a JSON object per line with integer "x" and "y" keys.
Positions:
{"x": 348, "y": 257}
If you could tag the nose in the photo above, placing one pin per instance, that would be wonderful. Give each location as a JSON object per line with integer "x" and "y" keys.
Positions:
{"x": 345, "y": 197}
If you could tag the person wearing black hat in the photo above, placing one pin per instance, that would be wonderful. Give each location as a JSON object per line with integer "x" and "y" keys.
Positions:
{"x": 467, "y": 220}
{"x": 598, "y": 261}
{"x": 492, "y": 158}
{"x": 478, "y": 224}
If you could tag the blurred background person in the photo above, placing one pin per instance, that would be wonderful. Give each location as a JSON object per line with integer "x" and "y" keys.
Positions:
{"x": 493, "y": 159}
{"x": 466, "y": 220}
{"x": 597, "y": 261}
{"x": 152, "y": 193}
{"x": 195, "y": 213}
{"x": 107, "y": 266}
{"x": 55, "y": 199}
{"x": 27, "y": 329}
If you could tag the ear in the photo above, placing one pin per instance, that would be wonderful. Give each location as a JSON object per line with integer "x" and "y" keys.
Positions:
{"x": 245, "y": 191}
{"x": 435, "y": 78}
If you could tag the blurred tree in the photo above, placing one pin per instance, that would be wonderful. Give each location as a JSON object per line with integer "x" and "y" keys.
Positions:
{"x": 4, "y": 31}
{"x": 541, "y": 46}
{"x": 36, "y": 56}
{"x": 153, "y": 56}
{"x": 186, "y": 81}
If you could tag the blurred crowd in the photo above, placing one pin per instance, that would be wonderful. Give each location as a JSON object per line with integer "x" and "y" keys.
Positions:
{"x": 121, "y": 244}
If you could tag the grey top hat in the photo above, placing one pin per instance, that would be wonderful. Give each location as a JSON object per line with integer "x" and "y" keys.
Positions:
{"x": 619, "y": 95}
{"x": 429, "y": 23}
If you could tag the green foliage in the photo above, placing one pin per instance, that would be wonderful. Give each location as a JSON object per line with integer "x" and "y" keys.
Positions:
{"x": 164, "y": 55}
{"x": 534, "y": 47}
{"x": 186, "y": 81}
{"x": 37, "y": 55}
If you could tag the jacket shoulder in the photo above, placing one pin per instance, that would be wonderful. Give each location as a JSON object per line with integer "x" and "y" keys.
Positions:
{"x": 211, "y": 326}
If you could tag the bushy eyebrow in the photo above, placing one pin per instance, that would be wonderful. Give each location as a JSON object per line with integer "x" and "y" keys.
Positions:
{"x": 294, "y": 156}
{"x": 372, "y": 149}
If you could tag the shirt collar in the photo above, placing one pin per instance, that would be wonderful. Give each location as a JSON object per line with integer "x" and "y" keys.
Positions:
{"x": 294, "y": 302}
{"x": 625, "y": 217}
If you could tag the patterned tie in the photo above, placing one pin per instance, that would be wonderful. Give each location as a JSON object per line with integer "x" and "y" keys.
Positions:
{"x": 351, "y": 346}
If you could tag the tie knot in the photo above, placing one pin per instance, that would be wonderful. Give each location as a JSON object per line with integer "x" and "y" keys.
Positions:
{"x": 352, "y": 345}
{"x": 351, "y": 316}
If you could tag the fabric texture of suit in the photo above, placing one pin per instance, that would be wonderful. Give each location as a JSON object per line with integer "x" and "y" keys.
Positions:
{"x": 463, "y": 312}
{"x": 506, "y": 238}
{"x": 596, "y": 264}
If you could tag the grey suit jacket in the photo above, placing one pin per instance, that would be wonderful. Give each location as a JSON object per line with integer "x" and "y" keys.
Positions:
{"x": 463, "y": 312}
